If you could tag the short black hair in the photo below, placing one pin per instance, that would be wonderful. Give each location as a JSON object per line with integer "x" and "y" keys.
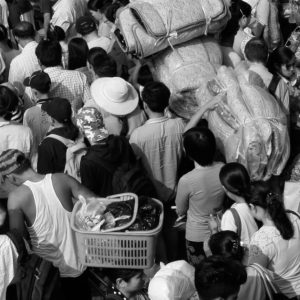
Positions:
{"x": 24, "y": 30}
{"x": 217, "y": 276}
{"x": 200, "y": 145}
{"x": 256, "y": 50}
{"x": 8, "y": 102}
{"x": 124, "y": 274}
{"x": 78, "y": 52}
{"x": 96, "y": 53}
{"x": 49, "y": 53}
{"x": 156, "y": 95}
{"x": 105, "y": 66}
{"x": 279, "y": 57}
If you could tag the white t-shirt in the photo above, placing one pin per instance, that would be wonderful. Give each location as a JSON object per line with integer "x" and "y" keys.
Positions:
{"x": 102, "y": 41}
{"x": 8, "y": 263}
{"x": 248, "y": 223}
{"x": 282, "y": 257}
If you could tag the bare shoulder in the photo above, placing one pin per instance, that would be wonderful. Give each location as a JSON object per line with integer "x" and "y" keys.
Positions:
{"x": 19, "y": 198}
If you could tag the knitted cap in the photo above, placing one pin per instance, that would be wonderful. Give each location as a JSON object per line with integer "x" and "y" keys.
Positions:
{"x": 10, "y": 161}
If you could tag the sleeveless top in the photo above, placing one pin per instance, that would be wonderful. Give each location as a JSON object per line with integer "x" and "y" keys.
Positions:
{"x": 51, "y": 235}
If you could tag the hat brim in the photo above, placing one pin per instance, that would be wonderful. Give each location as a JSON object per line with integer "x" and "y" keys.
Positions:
{"x": 114, "y": 108}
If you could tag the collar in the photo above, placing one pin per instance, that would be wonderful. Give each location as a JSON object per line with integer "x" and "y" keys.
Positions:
{"x": 290, "y": 83}
{"x": 29, "y": 45}
{"x": 53, "y": 68}
{"x": 198, "y": 167}
{"x": 41, "y": 101}
{"x": 157, "y": 120}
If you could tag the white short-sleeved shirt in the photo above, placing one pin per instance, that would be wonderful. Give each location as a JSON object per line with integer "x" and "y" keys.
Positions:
{"x": 248, "y": 224}
{"x": 268, "y": 248}
{"x": 8, "y": 263}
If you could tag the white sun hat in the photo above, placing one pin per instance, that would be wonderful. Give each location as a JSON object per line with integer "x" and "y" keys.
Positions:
{"x": 115, "y": 95}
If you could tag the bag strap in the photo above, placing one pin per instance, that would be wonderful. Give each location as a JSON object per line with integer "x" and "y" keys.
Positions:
{"x": 273, "y": 85}
{"x": 237, "y": 221}
{"x": 293, "y": 212}
{"x": 66, "y": 142}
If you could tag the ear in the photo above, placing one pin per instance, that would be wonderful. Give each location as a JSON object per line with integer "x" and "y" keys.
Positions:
{"x": 252, "y": 207}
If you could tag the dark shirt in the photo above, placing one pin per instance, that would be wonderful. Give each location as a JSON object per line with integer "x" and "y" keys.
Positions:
{"x": 46, "y": 6}
{"x": 100, "y": 162}
{"x": 52, "y": 153}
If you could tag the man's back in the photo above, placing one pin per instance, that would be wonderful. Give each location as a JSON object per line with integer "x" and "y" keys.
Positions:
{"x": 159, "y": 144}
{"x": 49, "y": 227}
{"x": 71, "y": 85}
{"x": 23, "y": 66}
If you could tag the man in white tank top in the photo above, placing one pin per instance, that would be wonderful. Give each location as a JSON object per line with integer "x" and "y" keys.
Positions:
{"x": 42, "y": 205}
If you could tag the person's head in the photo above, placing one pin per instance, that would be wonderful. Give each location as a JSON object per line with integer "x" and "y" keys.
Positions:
{"x": 128, "y": 281}
{"x": 13, "y": 163}
{"x": 145, "y": 75}
{"x": 115, "y": 95}
{"x": 200, "y": 145}
{"x": 24, "y": 32}
{"x": 156, "y": 96}
{"x": 90, "y": 122}
{"x": 219, "y": 278}
{"x": 244, "y": 13}
{"x": 111, "y": 11}
{"x": 256, "y": 51}
{"x": 78, "y": 52}
{"x": 98, "y": 8}
{"x": 265, "y": 204}
{"x": 282, "y": 61}
{"x": 86, "y": 25}
{"x": 49, "y": 53}
{"x": 56, "y": 34}
{"x": 95, "y": 55}
{"x": 236, "y": 180}
{"x": 9, "y": 103}
{"x": 104, "y": 66}
{"x": 227, "y": 244}
{"x": 40, "y": 84}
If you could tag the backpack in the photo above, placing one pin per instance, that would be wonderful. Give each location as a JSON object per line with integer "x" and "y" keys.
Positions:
{"x": 131, "y": 177}
{"x": 37, "y": 279}
{"x": 75, "y": 151}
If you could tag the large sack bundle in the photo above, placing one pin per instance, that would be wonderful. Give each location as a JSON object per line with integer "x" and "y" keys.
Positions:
{"x": 145, "y": 27}
{"x": 188, "y": 66}
{"x": 249, "y": 125}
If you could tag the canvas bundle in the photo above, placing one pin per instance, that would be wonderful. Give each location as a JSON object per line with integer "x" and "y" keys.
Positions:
{"x": 250, "y": 126}
{"x": 145, "y": 27}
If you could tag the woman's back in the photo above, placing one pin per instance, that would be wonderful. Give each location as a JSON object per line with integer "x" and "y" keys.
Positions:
{"x": 281, "y": 256}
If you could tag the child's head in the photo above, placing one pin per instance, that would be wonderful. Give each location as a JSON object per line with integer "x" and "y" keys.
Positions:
{"x": 200, "y": 145}
{"x": 235, "y": 180}
{"x": 128, "y": 281}
{"x": 226, "y": 243}
{"x": 282, "y": 61}
{"x": 256, "y": 51}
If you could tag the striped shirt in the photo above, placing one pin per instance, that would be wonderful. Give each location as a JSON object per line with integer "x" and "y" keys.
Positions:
{"x": 23, "y": 66}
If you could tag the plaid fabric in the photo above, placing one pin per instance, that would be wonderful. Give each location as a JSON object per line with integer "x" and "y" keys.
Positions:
{"x": 71, "y": 85}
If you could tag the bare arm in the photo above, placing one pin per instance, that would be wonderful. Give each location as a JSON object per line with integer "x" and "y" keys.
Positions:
{"x": 47, "y": 18}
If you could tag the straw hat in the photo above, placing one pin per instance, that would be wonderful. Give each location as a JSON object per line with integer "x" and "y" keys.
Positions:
{"x": 115, "y": 95}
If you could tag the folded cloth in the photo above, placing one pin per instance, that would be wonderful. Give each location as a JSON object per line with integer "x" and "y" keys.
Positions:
{"x": 145, "y": 27}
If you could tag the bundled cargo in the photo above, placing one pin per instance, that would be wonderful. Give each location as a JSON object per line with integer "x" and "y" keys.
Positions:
{"x": 145, "y": 27}
{"x": 249, "y": 125}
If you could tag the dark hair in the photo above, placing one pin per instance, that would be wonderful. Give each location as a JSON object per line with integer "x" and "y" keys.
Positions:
{"x": 218, "y": 276}
{"x": 156, "y": 95}
{"x": 94, "y": 54}
{"x": 24, "y": 30}
{"x": 263, "y": 196}
{"x": 49, "y": 53}
{"x": 279, "y": 57}
{"x": 226, "y": 243}
{"x": 235, "y": 178}
{"x": 145, "y": 75}
{"x": 256, "y": 50}
{"x": 78, "y": 52}
{"x": 124, "y": 274}
{"x": 111, "y": 11}
{"x": 200, "y": 145}
{"x": 56, "y": 34}
{"x": 8, "y": 102}
{"x": 23, "y": 164}
{"x": 105, "y": 66}
{"x": 99, "y": 5}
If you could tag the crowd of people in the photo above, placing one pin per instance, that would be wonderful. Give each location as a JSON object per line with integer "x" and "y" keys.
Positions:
{"x": 67, "y": 90}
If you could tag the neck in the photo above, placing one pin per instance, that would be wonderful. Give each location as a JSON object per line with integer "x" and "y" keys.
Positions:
{"x": 267, "y": 221}
{"x": 2, "y": 119}
{"x": 31, "y": 176}
{"x": 154, "y": 115}
{"x": 23, "y": 43}
{"x": 91, "y": 36}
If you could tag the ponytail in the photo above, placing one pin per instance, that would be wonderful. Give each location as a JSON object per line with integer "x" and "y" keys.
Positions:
{"x": 264, "y": 197}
